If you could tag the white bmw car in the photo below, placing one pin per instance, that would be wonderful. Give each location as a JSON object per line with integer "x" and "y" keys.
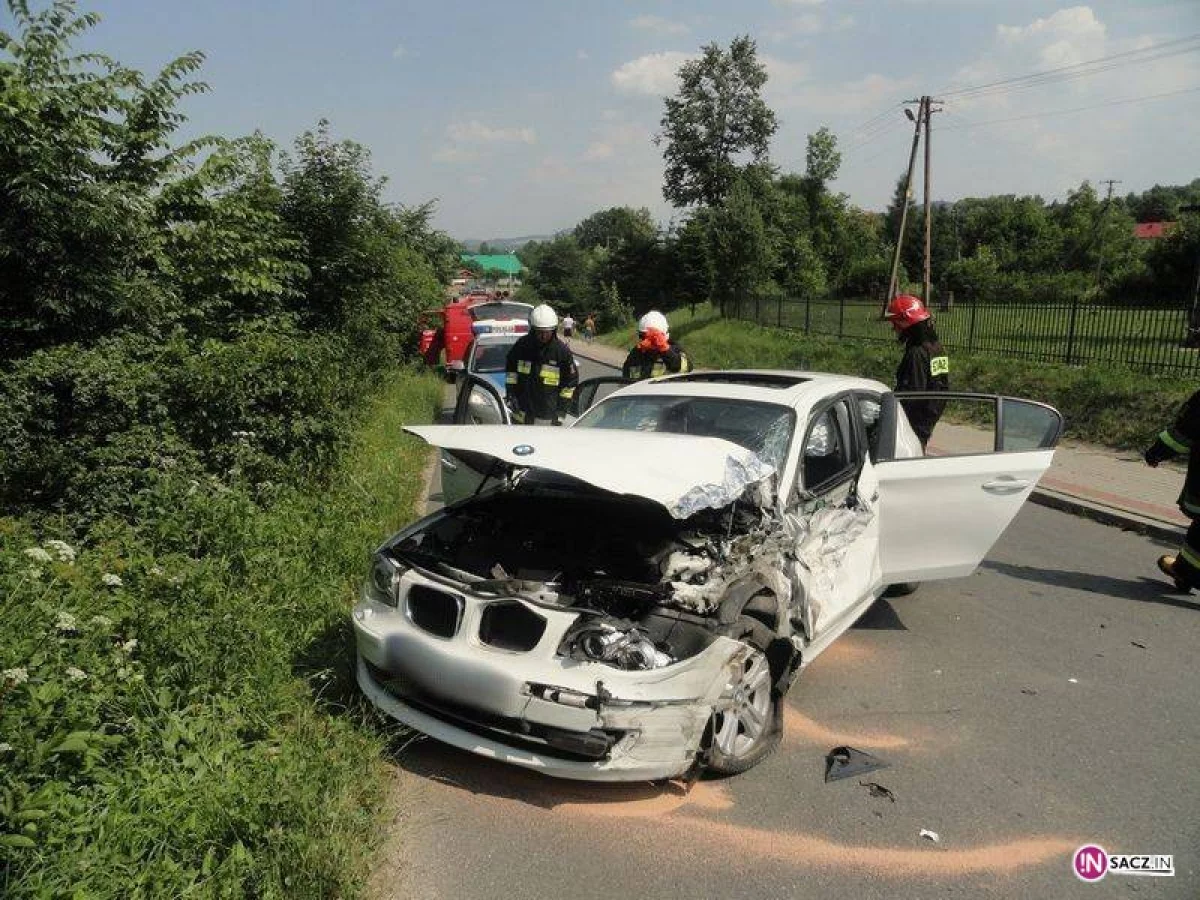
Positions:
{"x": 631, "y": 597}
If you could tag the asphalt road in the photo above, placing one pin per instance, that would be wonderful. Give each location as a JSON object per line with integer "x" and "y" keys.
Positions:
{"x": 1050, "y": 700}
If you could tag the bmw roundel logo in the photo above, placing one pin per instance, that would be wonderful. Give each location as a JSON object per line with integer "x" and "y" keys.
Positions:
{"x": 522, "y": 449}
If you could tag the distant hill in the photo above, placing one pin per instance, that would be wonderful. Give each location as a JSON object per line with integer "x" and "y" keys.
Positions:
{"x": 506, "y": 245}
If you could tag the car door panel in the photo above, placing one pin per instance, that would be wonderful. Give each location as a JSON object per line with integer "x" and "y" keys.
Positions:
{"x": 478, "y": 403}
{"x": 591, "y": 391}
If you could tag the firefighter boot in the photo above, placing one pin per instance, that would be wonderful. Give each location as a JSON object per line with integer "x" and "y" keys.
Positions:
{"x": 1177, "y": 570}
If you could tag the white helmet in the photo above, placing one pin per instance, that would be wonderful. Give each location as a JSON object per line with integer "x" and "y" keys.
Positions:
{"x": 543, "y": 316}
{"x": 653, "y": 319}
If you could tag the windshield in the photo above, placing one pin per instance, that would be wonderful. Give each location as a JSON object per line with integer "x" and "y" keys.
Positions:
{"x": 765, "y": 428}
{"x": 501, "y": 311}
{"x": 490, "y": 357}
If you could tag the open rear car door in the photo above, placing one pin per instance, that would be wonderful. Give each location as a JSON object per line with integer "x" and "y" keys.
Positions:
{"x": 590, "y": 392}
{"x": 941, "y": 513}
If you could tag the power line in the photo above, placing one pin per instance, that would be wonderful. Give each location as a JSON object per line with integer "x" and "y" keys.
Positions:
{"x": 1081, "y": 69}
{"x": 1062, "y": 112}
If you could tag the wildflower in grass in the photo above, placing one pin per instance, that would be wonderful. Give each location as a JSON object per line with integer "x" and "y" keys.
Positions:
{"x": 156, "y": 571}
{"x": 101, "y": 621}
{"x": 5, "y": 747}
{"x": 33, "y": 572}
{"x": 130, "y": 645}
{"x": 111, "y": 580}
{"x": 14, "y": 676}
{"x": 75, "y": 674}
{"x": 66, "y": 623}
{"x": 37, "y": 554}
{"x": 64, "y": 551}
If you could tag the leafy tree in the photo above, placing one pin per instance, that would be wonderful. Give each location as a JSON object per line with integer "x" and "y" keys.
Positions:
{"x": 616, "y": 227}
{"x": 83, "y": 144}
{"x": 822, "y": 159}
{"x": 741, "y": 254}
{"x": 560, "y": 273}
{"x": 717, "y": 120}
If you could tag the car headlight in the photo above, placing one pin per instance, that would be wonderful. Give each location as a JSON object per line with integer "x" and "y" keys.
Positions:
{"x": 483, "y": 407}
{"x": 614, "y": 644}
{"x": 383, "y": 584}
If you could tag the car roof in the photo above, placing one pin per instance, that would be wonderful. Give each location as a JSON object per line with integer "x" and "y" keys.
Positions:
{"x": 499, "y": 337}
{"x": 784, "y": 387}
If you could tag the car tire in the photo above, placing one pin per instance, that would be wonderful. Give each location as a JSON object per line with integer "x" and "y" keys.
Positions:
{"x": 742, "y": 737}
{"x": 903, "y": 589}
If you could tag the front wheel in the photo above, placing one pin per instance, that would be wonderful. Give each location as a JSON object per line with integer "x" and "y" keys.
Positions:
{"x": 748, "y": 730}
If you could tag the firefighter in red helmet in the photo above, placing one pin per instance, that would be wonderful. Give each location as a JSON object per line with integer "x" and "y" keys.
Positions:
{"x": 924, "y": 366}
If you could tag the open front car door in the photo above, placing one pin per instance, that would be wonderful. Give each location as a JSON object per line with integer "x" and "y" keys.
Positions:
{"x": 592, "y": 390}
{"x": 941, "y": 513}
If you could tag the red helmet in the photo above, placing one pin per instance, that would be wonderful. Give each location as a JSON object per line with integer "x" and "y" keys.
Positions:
{"x": 905, "y": 310}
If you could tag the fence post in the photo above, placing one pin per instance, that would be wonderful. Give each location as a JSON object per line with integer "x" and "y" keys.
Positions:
{"x": 841, "y": 315}
{"x": 807, "y": 312}
{"x": 971, "y": 330}
{"x": 1071, "y": 329}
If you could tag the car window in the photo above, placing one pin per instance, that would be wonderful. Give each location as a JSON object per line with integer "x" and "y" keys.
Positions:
{"x": 828, "y": 449}
{"x": 501, "y": 311}
{"x": 490, "y": 357}
{"x": 869, "y": 409}
{"x": 765, "y": 428}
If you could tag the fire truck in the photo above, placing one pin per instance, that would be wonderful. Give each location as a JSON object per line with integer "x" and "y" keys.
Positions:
{"x": 457, "y": 323}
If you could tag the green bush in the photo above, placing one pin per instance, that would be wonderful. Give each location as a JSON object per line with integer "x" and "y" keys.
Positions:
{"x": 177, "y": 713}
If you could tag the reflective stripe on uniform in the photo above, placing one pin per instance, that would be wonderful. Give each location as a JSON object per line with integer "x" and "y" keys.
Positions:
{"x": 524, "y": 366}
{"x": 1190, "y": 555}
{"x": 510, "y": 377}
{"x": 567, "y": 393}
{"x": 550, "y": 377}
{"x": 939, "y": 365}
{"x": 1190, "y": 506}
{"x": 659, "y": 368}
{"x": 1176, "y": 442}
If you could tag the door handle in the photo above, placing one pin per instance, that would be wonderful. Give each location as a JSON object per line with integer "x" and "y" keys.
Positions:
{"x": 1006, "y": 485}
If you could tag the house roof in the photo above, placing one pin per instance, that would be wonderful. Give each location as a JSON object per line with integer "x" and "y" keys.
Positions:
{"x": 1149, "y": 230}
{"x": 505, "y": 262}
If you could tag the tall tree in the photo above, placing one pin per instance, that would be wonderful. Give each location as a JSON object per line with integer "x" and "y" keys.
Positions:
{"x": 822, "y": 158}
{"x": 717, "y": 120}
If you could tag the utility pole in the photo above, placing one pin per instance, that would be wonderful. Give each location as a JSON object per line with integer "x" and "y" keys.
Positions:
{"x": 1192, "y": 338}
{"x": 929, "y": 110}
{"x": 1100, "y": 227}
{"x": 912, "y": 161}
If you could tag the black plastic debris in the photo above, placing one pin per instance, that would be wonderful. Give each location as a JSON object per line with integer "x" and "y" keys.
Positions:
{"x": 1137, "y": 644}
{"x": 1030, "y": 691}
{"x": 846, "y": 762}
{"x": 878, "y": 790}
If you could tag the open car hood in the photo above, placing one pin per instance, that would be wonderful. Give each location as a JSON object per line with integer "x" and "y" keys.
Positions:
{"x": 682, "y": 473}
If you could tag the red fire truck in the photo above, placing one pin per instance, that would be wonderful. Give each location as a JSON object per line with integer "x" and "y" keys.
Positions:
{"x": 461, "y": 319}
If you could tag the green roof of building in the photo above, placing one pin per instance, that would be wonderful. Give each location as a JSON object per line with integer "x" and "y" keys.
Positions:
{"x": 505, "y": 262}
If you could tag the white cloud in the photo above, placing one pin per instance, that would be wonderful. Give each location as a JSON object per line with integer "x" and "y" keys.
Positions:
{"x": 658, "y": 25}
{"x": 809, "y": 23}
{"x": 400, "y": 52}
{"x": 465, "y": 138}
{"x": 653, "y": 74}
{"x": 599, "y": 150}
{"x": 476, "y": 132}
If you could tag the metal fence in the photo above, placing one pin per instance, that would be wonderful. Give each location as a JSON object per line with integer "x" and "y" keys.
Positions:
{"x": 1143, "y": 338}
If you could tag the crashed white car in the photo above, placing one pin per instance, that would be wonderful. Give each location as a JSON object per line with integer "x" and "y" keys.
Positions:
{"x": 631, "y": 597}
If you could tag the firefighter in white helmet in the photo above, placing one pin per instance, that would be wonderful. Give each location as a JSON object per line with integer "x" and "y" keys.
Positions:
{"x": 655, "y": 353}
{"x": 540, "y": 374}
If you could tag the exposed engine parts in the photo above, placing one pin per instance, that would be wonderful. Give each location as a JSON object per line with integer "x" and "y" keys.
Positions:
{"x": 624, "y": 647}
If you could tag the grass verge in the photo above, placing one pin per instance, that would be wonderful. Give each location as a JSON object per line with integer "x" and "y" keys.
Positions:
{"x": 177, "y": 714}
{"x": 1109, "y": 406}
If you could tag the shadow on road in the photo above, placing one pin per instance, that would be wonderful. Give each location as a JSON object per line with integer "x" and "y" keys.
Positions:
{"x": 1143, "y": 590}
{"x": 441, "y": 763}
{"x": 882, "y": 616}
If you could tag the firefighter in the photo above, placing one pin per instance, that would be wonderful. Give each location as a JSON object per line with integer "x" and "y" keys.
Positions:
{"x": 924, "y": 366}
{"x": 1183, "y": 437}
{"x": 655, "y": 353}
{"x": 540, "y": 373}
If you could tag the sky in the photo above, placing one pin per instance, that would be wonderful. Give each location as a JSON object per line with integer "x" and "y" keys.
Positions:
{"x": 525, "y": 117}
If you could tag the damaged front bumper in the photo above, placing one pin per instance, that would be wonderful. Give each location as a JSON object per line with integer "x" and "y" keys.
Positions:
{"x": 529, "y": 705}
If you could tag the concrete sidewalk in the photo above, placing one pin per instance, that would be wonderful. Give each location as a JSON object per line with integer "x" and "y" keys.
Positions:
{"x": 1110, "y": 486}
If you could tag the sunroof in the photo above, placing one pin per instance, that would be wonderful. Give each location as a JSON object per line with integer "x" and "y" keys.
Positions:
{"x": 757, "y": 379}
